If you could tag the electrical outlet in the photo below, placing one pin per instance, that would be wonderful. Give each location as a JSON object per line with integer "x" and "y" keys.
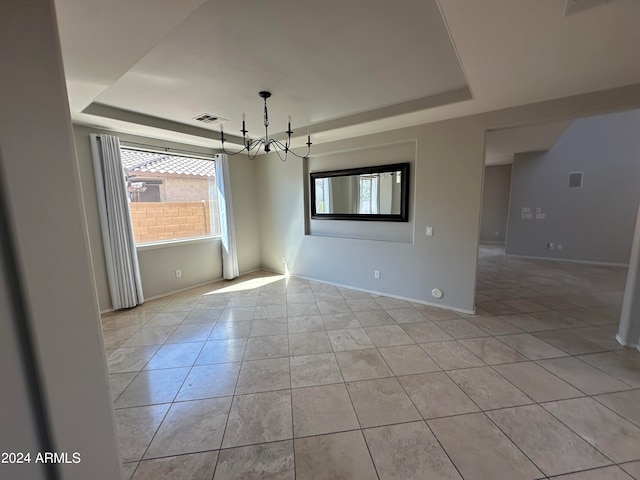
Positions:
{"x": 550, "y": 246}
{"x": 429, "y": 231}
{"x": 376, "y": 274}
{"x": 178, "y": 273}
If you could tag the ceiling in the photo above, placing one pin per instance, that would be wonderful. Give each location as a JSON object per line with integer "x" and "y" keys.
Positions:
{"x": 339, "y": 68}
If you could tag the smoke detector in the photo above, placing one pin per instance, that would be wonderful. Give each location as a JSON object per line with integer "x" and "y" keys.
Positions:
{"x": 576, "y": 6}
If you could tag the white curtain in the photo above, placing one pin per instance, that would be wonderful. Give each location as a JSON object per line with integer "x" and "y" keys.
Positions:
{"x": 227, "y": 224}
{"x": 117, "y": 233}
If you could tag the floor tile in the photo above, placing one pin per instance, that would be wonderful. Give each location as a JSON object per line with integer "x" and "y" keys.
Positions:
{"x": 362, "y": 365}
{"x": 119, "y": 381}
{"x": 152, "y": 387}
{"x": 538, "y": 383}
{"x": 409, "y": 452}
{"x": 190, "y": 333}
{"x": 389, "y": 303}
{"x": 435, "y": 313}
{"x": 297, "y": 309}
{"x": 259, "y": 418}
{"x": 569, "y": 342}
{"x": 363, "y": 304}
{"x": 558, "y": 319}
{"x": 381, "y": 402}
{"x": 546, "y": 441}
{"x": 492, "y": 351}
{"x": 136, "y": 428}
{"x": 632, "y": 469}
{"x": 583, "y": 376}
{"x": 115, "y": 338}
{"x": 626, "y": 404}
{"x": 205, "y": 315}
{"x": 349, "y": 339}
{"x": 322, "y": 409}
{"x": 166, "y": 319}
{"x": 451, "y": 355}
{"x": 195, "y": 466}
{"x": 268, "y": 461}
{"x": 425, "y": 332}
{"x": 339, "y": 321}
{"x": 436, "y": 395}
{"x": 327, "y": 308}
{"x": 148, "y": 336}
{"x": 209, "y": 381}
{"x": 309, "y": 343}
{"x": 487, "y": 388}
{"x": 128, "y": 469}
{"x": 388, "y": 335}
{"x": 608, "y": 432}
{"x": 335, "y": 456}
{"x": 264, "y": 375}
{"x": 267, "y": 347}
{"x": 306, "y": 323}
{"x": 460, "y": 328}
{"x": 525, "y": 306}
{"x": 531, "y": 347}
{"x": 480, "y": 450}
{"x": 222, "y": 351}
{"x": 175, "y": 355}
{"x": 408, "y": 359}
{"x": 406, "y": 315}
{"x": 310, "y": 370}
{"x": 301, "y": 298}
{"x": 226, "y": 330}
{"x": 191, "y": 427}
{"x": 598, "y": 336}
{"x": 273, "y": 326}
{"x": 494, "y": 325}
{"x": 237, "y": 314}
{"x": 527, "y": 323}
{"x": 606, "y": 473}
{"x": 130, "y": 359}
{"x": 270, "y": 311}
{"x": 374, "y": 318}
{"x": 621, "y": 365}
{"x": 497, "y": 307}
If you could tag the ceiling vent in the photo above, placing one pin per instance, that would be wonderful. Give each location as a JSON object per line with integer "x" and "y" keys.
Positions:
{"x": 208, "y": 118}
{"x": 575, "y": 180}
{"x": 577, "y": 6}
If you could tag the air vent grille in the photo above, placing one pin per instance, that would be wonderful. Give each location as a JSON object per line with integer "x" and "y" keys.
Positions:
{"x": 208, "y": 118}
{"x": 575, "y": 179}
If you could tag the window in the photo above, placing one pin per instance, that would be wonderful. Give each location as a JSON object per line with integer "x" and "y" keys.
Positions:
{"x": 170, "y": 197}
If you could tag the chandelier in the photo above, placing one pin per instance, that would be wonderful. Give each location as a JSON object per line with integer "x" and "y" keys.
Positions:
{"x": 252, "y": 147}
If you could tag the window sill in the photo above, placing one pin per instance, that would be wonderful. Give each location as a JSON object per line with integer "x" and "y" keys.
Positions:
{"x": 176, "y": 243}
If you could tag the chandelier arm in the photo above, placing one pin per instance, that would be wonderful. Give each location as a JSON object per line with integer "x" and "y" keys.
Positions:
{"x": 277, "y": 150}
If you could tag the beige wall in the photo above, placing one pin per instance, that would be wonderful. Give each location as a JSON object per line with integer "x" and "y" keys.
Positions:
{"x": 200, "y": 261}
{"x": 495, "y": 203}
{"x": 446, "y": 190}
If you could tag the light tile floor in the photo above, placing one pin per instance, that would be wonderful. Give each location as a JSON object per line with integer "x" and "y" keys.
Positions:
{"x": 273, "y": 378}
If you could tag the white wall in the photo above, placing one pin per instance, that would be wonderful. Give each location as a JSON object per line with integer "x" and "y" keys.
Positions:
{"x": 495, "y": 203}
{"x": 41, "y": 187}
{"x": 592, "y": 223}
{"x": 199, "y": 261}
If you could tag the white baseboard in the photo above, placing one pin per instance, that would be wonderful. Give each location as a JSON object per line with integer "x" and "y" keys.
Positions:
{"x": 625, "y": 344}
{"x": 384, "y": 294}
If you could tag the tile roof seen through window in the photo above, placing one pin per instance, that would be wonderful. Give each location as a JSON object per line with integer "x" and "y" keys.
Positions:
{"x": 136, "y": 161}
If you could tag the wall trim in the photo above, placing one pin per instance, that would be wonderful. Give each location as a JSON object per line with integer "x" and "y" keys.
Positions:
{"x": 383, "y": 294}
{"x": 625, "y": 344}
{"x": 586, "y": 262}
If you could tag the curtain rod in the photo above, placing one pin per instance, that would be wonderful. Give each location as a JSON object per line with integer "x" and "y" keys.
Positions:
{"x": 160, "y": 149}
